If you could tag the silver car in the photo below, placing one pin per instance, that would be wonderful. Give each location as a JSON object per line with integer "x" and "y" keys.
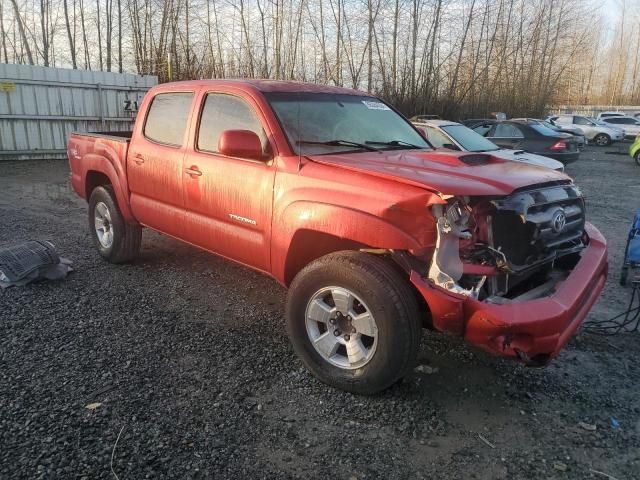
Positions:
{"x": 602, "y": 115}
{"x": 630, "y": 125}
{"x": 595, "y": 131}
{"x": 455, "y": 136}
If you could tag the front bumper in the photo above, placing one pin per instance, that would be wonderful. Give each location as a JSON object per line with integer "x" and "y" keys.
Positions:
{"x": 533, "y": 331}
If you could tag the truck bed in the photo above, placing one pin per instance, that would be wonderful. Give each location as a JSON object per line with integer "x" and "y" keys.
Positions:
{"x": 117, "y": 136}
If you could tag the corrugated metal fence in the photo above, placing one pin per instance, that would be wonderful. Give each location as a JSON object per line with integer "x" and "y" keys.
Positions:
{"x": 40, "y": 106}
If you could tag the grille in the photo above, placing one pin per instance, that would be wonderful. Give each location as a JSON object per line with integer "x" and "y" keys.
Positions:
{"x": 530, "y": 225}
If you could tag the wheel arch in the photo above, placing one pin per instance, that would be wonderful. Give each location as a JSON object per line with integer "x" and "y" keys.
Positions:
{"x": 309, "y": 230}
{"x": 99, "y": 171}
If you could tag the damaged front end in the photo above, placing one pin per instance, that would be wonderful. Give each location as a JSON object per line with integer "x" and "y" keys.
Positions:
{"x": 506, "y": 257}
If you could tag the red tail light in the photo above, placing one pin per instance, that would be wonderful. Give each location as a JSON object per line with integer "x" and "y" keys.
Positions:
{"x": 561, "y": 145}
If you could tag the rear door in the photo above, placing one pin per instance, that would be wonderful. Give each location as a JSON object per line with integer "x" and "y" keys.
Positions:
{"x": 506, "y": 135}
{"x": 154, "y": 162}
{"x": 228, "y": 200}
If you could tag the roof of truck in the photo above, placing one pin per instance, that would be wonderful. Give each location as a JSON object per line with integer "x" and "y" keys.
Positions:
{"x": 264, "y": 86}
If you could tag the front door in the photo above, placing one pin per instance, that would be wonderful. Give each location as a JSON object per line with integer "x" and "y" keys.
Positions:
{"x": 154, "y": 163}
{"x": 228, "y": 201}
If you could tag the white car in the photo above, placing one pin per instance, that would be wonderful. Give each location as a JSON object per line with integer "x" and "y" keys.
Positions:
{"x": 595, "y": 131}
{"x": 630, "y": 125}
{"x": 455, "y": 136}
{"x": 603, "y": 115}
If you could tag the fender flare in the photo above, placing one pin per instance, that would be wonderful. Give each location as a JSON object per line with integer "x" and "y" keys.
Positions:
{"x": 343, "y": 223}
{"x": 105, "y": 161}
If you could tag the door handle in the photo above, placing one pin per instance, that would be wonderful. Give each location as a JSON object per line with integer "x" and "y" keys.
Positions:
{"x": 139, "y": 159}
{"x": 193, "y": 171}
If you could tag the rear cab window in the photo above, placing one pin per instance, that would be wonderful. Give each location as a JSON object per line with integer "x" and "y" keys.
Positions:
{"x": 168, "y": 117}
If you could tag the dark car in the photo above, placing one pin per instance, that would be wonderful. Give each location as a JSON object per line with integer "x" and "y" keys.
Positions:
{"x": 558, "y": 128}
{"x": 531, "y": 137}
{"x": 473, "y": 122}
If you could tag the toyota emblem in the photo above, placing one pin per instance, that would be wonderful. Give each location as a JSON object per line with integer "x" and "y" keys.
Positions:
{"x": 559, "y": 221}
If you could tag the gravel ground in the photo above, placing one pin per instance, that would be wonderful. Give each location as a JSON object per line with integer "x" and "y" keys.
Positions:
{"x": 187, "y": 356}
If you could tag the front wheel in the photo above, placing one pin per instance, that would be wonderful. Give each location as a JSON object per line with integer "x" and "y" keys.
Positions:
{"x": 602, "y": 140}
{"x": 637, "y": 157}
{"x": 353, "y": 320}
{"x": 116, "y": 240}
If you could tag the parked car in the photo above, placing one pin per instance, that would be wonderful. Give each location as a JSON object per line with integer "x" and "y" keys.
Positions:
{"x": 455, "y": 136}
{"x": 571, "y": 131}
{"x": 531, "y": 138}
{"x": 337, "y": 196}
{"x": 634, "y": 150}
{"x": 473, "y": 122}
{"x": 594, "y": 131}
{"x": 603, "y": 115}
{"x": 629, "y": 125}
{"x": 426, "y": 116}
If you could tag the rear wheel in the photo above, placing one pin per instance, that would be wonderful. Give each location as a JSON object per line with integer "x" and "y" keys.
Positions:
{"x": 602, "y": 140}
{"x": 353, "y": 320}
{"x": 116, "y": 240}
{"x": 637, "y": 157}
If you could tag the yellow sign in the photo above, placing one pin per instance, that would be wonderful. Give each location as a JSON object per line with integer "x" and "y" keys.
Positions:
{"x": 7, "y": 87}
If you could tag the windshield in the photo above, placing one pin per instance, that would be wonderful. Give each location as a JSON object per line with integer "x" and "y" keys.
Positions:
{"x": 468, "y": 139}
{"x": 322, "y": 123}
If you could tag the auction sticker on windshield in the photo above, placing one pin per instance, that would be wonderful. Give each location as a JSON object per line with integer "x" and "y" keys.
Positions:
{"x": 375, "y": 105}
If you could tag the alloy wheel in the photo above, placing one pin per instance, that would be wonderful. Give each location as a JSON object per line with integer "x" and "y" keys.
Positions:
{"x": 341, "y": 328}
{"x": 103, "y": 225}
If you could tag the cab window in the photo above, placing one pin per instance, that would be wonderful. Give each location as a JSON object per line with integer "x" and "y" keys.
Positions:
{"x": 225, "y": 112}
{"x": 167, "y": 118}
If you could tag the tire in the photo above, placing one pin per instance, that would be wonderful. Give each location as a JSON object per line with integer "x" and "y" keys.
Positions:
{"x": 380, "y": 290}
{"x": 117, "y": 241}
{"x": 637, "y": 158}
{"x": 602, "y": 140}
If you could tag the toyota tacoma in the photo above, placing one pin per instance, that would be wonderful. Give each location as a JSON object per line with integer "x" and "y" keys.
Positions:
{"x": 341, "y": 199}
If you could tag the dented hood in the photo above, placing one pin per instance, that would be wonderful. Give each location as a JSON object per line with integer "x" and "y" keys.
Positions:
{"x": 452, "y": 173}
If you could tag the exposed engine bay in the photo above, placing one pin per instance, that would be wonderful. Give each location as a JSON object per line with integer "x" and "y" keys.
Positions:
{"x": 508, "y": 249}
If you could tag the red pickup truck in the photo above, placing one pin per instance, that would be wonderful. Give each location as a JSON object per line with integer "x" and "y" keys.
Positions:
{"x": 337, "y": 196}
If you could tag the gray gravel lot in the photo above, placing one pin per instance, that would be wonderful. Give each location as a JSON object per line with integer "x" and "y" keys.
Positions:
{"x": 188, "y": 357}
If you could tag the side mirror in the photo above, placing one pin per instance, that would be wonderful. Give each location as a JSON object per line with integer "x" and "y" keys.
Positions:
{"x": 422, "y": 132}
{"x": 450, "y": 146}
{"x": 241, "y": 144}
